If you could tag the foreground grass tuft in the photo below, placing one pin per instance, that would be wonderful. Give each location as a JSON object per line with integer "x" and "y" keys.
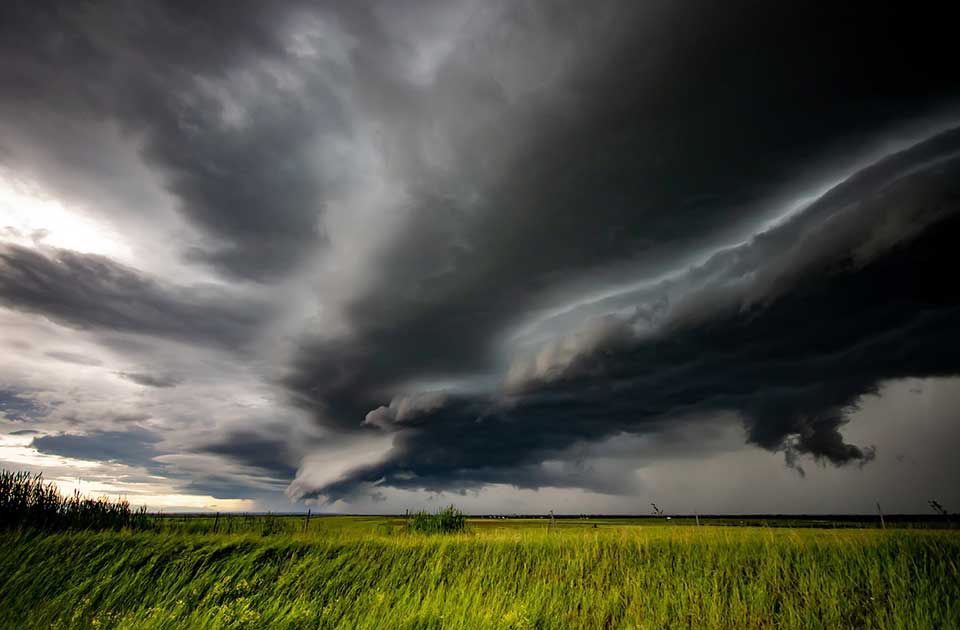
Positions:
{"x": 448, "y": 520}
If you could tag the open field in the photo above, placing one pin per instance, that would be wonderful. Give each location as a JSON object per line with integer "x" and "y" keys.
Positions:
{"x": 269, "y": 524}
{"x": 365, "y": 572}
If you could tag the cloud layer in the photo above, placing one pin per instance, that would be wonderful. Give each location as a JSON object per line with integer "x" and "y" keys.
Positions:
{"x": 355, "y": 249}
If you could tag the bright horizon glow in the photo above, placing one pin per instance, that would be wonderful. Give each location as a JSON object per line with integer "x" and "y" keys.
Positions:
{"x": 151, "y": 496}
{"x": 158, "y": 495}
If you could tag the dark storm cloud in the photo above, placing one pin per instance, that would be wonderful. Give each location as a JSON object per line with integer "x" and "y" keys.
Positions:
{"x": 668, "y": 132}
{"x": 206, "y": 87}
{"x": 417, "y": 184}
{"x": 269, "y": 454}
{"x": 151, "y": 380}
{"x": 791, "y": 330}
{"x": 227, "y": 488}
{"x": 136, "y": 447}
{"x": 92, "y": 292}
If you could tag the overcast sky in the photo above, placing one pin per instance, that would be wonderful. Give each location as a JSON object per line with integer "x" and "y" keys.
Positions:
{"x": 516, "y": 256}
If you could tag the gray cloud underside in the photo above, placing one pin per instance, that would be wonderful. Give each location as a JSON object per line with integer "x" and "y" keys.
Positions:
{"x": 271, "y": 454}
{"x": 136, "y": 447}
{"x": 19, "y": 407}
{"x": 151, "y": 380}
{"x": 141, "y": 448}
{"x": 95, "y": 293}
{"x": 788, "y": 330}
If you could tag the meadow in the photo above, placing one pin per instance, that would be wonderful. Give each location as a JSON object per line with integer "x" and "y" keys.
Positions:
{"x": 98, "y": 564}
{"x": 367, "y": 572}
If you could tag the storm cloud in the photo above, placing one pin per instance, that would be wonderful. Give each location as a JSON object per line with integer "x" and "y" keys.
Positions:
{"x": 614, "y": 166}
{"x": 385, "y": 249}
{"x": 93, "y": 292}
{"x": 137, "y": 446}
{"x": 859, "y": 285}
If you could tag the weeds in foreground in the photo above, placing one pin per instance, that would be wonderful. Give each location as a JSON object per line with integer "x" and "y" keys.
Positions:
{"x": 27, "y": 501}
{"x": 514, "y": 576}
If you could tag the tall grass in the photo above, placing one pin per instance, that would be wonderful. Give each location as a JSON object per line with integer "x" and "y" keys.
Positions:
{"x": 448, "y": 520}
{"x": 616, "y": 577}
{"x": 26, "y": 501}
{"x": 377, "y": 572}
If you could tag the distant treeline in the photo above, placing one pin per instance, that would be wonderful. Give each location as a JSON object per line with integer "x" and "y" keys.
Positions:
{"x": 26, "y": 501}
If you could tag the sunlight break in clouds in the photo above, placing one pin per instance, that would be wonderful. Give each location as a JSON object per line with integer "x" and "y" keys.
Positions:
{"x": 28, "y": 217}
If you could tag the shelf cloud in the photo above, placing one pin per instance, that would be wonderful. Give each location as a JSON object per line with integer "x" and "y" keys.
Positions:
{"x": 362, "y": 253}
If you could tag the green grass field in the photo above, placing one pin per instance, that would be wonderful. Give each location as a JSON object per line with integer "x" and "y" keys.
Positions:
{"x": 365, "y": 572}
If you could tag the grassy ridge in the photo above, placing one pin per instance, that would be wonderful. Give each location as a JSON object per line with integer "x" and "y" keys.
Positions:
{"x": 354, "y": 577}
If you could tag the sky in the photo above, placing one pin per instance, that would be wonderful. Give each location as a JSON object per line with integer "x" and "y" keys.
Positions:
{"x": 515, "y": 256}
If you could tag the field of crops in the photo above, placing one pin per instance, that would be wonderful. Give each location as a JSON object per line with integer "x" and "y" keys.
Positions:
{"x": 368, "y": 572}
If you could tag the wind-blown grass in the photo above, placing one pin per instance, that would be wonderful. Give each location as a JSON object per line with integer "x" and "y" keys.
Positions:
{"x": 448, "y": 520}
{"x": 26, "y": 501}
{"x": 247, "y": 571}
{"x": 617, "y": 577}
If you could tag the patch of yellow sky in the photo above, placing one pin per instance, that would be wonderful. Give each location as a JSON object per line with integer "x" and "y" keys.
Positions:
{"x": 99, "y": 479}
